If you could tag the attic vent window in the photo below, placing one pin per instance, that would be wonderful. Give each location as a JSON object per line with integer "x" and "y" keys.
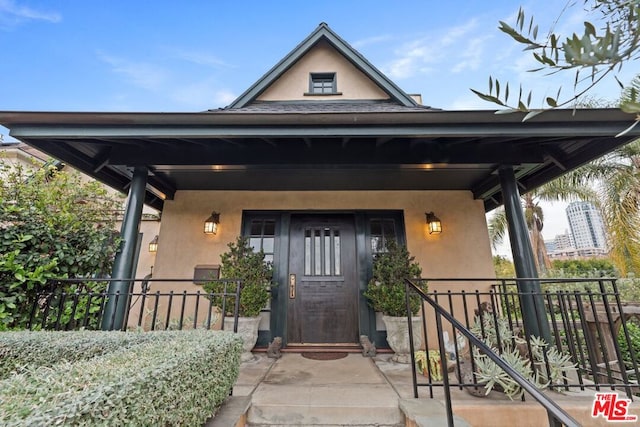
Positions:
{"x": 322, "y": 84}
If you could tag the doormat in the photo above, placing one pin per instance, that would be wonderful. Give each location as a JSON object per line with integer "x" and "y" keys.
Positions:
{"x": 324, "y": 355}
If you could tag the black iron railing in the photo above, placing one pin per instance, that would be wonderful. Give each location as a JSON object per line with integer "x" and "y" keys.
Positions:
{"x": 69, "y": 304}
{"x": 586, "y": 319}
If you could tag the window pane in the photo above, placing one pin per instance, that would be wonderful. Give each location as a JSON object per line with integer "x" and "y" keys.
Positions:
{"x": 375, "y": 244}
{"x": 268, "y": 258}
{"x": 327, "y": 252}
{"x": 269, "y": 228}
{"x": 376, "y": 227}
{"x": 336, "y": 253}
{"x": 389, "y": 229}
{"x": 317, "y": 253}
{"x": 256, "y": 227}
{"x": 267, "y": 244}
{"x": 307, "y": 252}
{"x": 254, "y": 242}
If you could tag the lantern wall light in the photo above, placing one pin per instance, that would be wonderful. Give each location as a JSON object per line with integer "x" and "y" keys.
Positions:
{"x": 433, "y": 223}
{"x": 211, "y": 224}
{"x": 153, "y": 244}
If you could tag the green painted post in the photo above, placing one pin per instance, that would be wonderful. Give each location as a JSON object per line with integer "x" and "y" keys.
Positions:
{"x": 532, "y": 306}
{"x": 118, "y": 290}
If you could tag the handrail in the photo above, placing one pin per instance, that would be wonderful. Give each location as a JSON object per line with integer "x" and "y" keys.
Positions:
{"x": 557, "y": 416}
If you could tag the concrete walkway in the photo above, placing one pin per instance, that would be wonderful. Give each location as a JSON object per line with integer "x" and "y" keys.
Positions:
{"x": 295, "y": 391}
{"x": 347, "y": 391}
{"x": 358, "y": 391}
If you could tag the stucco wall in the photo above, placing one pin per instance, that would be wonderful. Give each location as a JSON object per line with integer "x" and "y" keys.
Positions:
{"x": 462, "y": 250}
{"x": 323, "y": 58}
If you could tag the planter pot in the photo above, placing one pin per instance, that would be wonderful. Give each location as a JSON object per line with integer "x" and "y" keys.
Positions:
{"x": 248, "y": 331}
{"x": 398, "y": 336}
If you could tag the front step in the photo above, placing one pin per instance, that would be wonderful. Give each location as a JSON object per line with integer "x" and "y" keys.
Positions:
{"x": 428, "y": 413}
{"x": 302, "y": 392}
{"x": 353, "y": 405}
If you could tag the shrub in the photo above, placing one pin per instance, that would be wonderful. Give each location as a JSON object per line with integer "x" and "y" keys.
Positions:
{"x": 52, "y": 224}
{"x": 634, "y": 336}
{"x": 174, "y": 378}
{"x": 386, "y": 289}
{"x": 26, "y": 350}
{"x": 240, "y": 262}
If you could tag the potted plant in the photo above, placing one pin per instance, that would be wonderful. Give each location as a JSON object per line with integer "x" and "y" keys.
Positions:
{"x": 241, "y": 262}
{"x": 386, "y": 294}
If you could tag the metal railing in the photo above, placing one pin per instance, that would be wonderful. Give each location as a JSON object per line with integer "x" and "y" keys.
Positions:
{"x": 585, "y": 326}
{"x": 70, "y": 304}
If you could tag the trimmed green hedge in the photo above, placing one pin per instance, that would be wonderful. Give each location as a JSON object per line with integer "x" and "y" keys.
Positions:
{"x": 168, "y": 378}
{"x": 24, "y": 350}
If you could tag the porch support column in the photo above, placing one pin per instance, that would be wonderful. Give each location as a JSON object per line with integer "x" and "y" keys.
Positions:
{"x": 532, "y": 306}
{"x": 116, "y": 307}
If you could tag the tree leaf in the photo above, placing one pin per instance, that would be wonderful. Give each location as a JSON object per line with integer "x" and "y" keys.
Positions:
{"x": 486, "y": 97}
{"x": 629, "y": 129}
{"x": 532, "y": 114}
{"x": 589, "y": 28}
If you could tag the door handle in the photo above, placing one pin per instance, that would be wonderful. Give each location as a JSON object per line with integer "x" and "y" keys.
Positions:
{"x": 292, "y": 286}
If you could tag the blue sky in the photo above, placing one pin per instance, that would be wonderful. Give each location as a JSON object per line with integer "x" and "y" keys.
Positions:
{"x": 123, "y": 55}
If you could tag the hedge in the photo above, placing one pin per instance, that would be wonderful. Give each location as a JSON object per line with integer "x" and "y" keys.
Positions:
{"x": 174, "y": 378}
{"x": 24, "y": 350}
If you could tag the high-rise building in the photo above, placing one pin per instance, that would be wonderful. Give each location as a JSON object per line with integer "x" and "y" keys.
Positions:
{"x": 586, "y": 226}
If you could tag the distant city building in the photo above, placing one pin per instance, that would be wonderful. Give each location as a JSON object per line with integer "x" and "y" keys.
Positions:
{"x": 586, "y": 226}
{"x": 563, "y": 241}
{"x": 587, "y": 238}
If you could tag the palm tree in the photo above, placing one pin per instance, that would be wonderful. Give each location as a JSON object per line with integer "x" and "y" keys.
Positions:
{"x": 616, "y": 181}
{"x": 534, "y": 216}
{"x": 611, "y": 182}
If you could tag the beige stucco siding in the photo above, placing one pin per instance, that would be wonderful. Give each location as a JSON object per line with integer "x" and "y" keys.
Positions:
{"x": 322, "y": 58}
{"x": 462, "y": 250}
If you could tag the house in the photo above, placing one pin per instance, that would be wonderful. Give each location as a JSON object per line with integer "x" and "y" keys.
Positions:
{"x": 319, "y": 162}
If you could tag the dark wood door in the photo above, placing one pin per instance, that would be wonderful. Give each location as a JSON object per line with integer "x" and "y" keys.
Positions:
{"x": 323, "y": 288}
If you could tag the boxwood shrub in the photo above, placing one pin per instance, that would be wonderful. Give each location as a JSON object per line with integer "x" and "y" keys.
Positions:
{"x": 169, "y": 378}
{"x": 27, "y": 350}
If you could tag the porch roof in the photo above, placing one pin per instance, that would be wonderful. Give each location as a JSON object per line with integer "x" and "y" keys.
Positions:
{"x": 333, "y": 146}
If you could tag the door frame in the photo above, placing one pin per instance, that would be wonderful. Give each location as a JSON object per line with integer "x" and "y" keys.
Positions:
{"x": 279, "y": 294}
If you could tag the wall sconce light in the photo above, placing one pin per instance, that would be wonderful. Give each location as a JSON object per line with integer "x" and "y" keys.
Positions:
{"x": 211, "y": 224}
{"x": 434, "y": 224}
{"x": 153, "y": 244}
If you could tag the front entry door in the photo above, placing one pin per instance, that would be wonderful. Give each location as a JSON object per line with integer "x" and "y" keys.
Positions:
{"x": 323, "y": 287}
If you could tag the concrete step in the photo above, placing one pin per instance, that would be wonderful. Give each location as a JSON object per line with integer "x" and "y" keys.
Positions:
{"x": 427, "y": 413}
{"x": 325, "y": 405}
{"x": 325, "y": 425}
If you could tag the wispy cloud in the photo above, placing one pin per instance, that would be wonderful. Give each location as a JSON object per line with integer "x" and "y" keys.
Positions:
{"x": 13, "y": 14}
{"x": 205, "y": 94}
{"x": 472, "y": 56}
{"x": 421, "y": 54}
{"x": 202, "y": 58}
{"x": 224, "y": 97}
{"x": 358, "y": 44}
{"x": 187, "y": 93}
{"x": 145, "y": 75}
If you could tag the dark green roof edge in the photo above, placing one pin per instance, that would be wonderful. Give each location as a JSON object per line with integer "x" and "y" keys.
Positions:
{"x": 323, "y": 31}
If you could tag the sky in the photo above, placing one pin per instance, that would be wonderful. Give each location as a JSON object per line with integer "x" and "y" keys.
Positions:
{"x": 172, "y": 56}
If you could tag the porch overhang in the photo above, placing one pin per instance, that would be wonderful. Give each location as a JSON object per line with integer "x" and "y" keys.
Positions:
{"x": 244, "y": 150}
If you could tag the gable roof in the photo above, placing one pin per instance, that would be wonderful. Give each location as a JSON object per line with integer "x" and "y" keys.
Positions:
{"x": 323, "y": 32}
